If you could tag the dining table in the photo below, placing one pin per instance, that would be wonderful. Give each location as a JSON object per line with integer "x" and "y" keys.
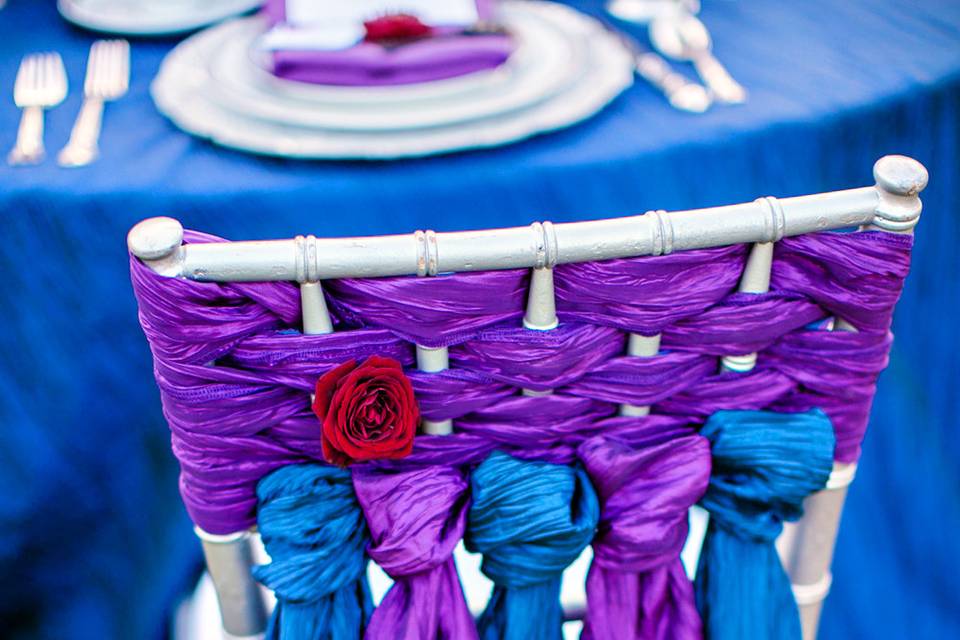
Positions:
{"x": 94, "y": 541}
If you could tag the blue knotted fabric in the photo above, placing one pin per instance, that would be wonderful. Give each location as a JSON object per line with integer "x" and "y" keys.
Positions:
{"x": 530, "y": 520}
{"x": 315, "y": 533}
{"x": 764, "y": 465}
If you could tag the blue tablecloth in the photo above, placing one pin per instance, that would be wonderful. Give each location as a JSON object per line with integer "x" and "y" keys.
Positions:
{"x": 93, "y": 540}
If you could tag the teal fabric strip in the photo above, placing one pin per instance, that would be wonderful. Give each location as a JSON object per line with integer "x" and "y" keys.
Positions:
{"x": 315, "y": 533}
{"x": 764, "y": 465}
{"x": 530, "y": 520}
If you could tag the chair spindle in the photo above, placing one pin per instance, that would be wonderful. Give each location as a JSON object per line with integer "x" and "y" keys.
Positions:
{"x": 432, "y": 360}
{"x": 755, "y": 280}
{"x": 541, "y": 312}
{"x": 229, "y": 560}
{"x": 641, "y": 347}
{"x": 316, "y": 317}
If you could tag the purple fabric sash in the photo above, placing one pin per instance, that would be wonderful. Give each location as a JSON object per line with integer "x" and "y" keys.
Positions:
{"x": 234, "y": 373}
{"x": 447, "y": 54}
{"x": 416, "y": 518}
{"x": 647, "y": 477}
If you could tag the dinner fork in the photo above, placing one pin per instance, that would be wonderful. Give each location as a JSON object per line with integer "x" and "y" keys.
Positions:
{"x": 108, "y": 77}
{"x": 41, "y": 83}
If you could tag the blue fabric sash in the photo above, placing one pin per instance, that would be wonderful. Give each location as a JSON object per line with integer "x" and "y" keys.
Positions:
{"x": 315, "y": 533}
{"x": 764, "y": 465}
{"x": 530, "y": 520}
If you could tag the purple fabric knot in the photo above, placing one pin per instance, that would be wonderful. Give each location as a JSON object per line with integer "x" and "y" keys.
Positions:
{"x": 416, "y": 519}
{"x": 647, "y": 478}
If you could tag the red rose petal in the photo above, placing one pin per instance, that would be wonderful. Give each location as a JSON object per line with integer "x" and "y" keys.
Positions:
{"x": 326, "y": 386}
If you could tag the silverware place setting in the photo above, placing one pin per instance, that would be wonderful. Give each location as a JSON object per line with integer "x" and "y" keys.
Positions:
{"x": 41, "y": 84}
{"x": 678, "y": 34}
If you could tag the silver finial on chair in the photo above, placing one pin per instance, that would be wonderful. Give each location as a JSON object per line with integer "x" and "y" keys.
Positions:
{"x": 899, "y": 182}
{"x": 157, "y": 242}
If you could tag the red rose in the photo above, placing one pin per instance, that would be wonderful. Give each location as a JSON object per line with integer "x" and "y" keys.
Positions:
{"x": 395, "y": 28}
{"x": 368, "y": 411}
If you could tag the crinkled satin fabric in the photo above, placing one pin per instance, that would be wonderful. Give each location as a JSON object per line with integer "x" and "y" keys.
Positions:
{"x": 646, "y": 479}
{"x": 764, "y": 465}
{"x": 235, "y": 373}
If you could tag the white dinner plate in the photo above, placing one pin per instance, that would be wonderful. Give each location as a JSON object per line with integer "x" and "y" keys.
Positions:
{"x": 151, "y": 17}
{"x": 197, "y": 90}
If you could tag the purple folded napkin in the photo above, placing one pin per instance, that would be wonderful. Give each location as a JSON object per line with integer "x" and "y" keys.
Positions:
{"x": 448, "y": 53}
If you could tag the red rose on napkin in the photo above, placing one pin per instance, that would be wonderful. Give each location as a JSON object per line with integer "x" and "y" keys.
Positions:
{"x": 368, "y": 411}
{"x": 395, "y": 28}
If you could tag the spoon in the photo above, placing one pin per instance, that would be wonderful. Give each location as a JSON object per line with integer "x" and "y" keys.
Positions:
{"x": 681, "y": 93}
{"x": 685, "y": 38}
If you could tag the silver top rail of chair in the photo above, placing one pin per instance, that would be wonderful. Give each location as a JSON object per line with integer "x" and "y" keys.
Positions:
{"x": 892, "y": 204}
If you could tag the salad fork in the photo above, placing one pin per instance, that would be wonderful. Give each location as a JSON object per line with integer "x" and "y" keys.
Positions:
{"x": 41, "y": 83}
{"x": 107, "y": 78}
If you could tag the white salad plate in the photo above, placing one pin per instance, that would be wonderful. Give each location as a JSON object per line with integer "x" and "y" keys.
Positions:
{"x": 565, "y": 68}
{"x": 151, "y": 17}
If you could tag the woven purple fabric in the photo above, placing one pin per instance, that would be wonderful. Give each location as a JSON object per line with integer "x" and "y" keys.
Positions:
{"x": 234, "y": 372}
{"x": 416, "y": 519}
{"x": 647, "y": 475}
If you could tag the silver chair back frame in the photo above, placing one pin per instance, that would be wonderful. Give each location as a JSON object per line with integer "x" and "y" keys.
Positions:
{"x": 806, "y": 547}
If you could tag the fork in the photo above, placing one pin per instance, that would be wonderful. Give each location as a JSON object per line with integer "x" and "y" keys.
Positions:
{"x": 108, "y": 77}
{"x": 41, "y": 83}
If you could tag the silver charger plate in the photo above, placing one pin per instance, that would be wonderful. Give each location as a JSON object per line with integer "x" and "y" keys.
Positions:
{"x": 151, "y": 17}
{"x": 565, "y": 69}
